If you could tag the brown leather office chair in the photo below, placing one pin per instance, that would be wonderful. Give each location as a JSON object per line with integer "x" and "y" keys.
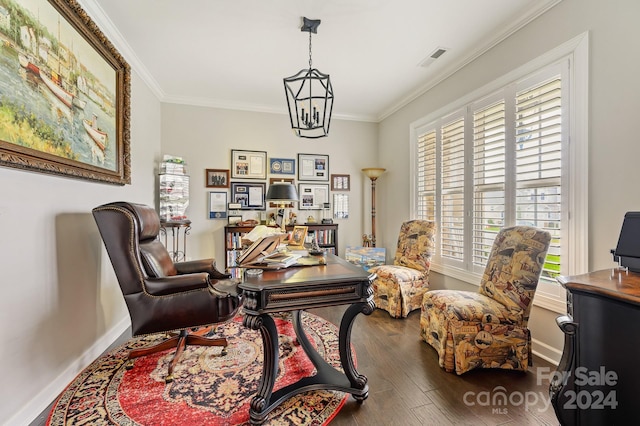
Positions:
{"x": 163, "y": 296}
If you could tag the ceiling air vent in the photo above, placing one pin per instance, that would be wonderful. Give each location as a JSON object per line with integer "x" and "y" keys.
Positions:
{"x": 432, "y": 57}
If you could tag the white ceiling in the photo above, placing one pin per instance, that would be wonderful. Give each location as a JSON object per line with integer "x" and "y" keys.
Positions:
{"x": 235, "y": 53}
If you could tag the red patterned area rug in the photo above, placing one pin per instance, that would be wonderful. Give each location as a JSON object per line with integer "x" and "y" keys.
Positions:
{"x": 208, "y": 389}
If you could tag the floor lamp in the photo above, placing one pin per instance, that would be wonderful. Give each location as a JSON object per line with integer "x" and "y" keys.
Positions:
{"x": 283, "y": 193}
{"x": 373, "y": 173}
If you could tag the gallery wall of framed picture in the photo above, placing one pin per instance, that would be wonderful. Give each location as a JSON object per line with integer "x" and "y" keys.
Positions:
{"x": 245, "y": 183}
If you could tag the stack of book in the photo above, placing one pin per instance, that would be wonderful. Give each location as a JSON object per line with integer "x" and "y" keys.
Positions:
{"x": 264, "y": 254}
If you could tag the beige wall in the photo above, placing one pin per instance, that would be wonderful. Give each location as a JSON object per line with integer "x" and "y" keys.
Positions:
{"x": 613, "y": 147}
{"x": 206, "y": 136}
{"x": 61, "y": 305}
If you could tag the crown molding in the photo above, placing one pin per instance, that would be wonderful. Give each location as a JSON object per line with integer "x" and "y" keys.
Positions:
{"x": 537, "y": 8}
{"x": 237, "y": 106}
{"x": 103, "y": 21}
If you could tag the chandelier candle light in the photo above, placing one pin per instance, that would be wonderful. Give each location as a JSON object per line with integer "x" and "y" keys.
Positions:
{"x": 373, "y": 173}
{"x": 283, "y": 193}
{"x": 309, "y": 95}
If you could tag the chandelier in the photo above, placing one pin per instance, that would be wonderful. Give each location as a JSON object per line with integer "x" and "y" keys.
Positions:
{"x": 309, "y": 96}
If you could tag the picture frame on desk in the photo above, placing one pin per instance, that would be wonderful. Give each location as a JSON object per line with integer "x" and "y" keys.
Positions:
{"x": 234, "y": 220}
{"x": 298, "y": 235}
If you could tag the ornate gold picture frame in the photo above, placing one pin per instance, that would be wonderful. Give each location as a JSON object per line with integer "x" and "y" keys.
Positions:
{"x": 65, "y": 104}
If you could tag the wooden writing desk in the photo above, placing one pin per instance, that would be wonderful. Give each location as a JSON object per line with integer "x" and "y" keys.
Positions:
{"x": 295, "y": 289}
{"x": 598, "y": 381}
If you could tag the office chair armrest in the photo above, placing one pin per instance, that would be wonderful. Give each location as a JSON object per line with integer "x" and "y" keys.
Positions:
{"x": 176, "y": 284}
{"x": 225, "y": 288}
{"x": 200, "y": 265}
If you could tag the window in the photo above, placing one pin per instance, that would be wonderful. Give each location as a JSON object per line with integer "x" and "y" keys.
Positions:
{"x": 501, "y": 157}
{"x": 426, "y": 181}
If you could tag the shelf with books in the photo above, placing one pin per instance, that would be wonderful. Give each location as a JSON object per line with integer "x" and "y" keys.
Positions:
{"x": 326, "y": 235}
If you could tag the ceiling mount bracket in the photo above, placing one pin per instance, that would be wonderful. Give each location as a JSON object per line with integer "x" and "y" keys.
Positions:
{"x": 310, "y": 25}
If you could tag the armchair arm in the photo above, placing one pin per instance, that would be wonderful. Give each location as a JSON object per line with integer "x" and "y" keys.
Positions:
{"x": 200, "y": 265}
{"x": 176, "y": 284}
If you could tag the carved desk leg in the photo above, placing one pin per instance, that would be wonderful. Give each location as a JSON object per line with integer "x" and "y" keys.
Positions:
{"x": 358, "y": 381}
{"x": 261, "y": 402}
{"x": 563, "y": 379}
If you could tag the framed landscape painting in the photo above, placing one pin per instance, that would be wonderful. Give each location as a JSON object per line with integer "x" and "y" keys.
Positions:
{"x": 64, "y": 93}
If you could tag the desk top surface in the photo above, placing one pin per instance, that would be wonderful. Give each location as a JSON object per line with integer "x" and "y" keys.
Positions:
{"x": 336, "y": 271}
{"x": 615, "y": 283}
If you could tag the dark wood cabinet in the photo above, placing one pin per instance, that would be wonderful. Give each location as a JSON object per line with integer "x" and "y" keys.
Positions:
{"x": 597, "y": 382}
{"x": 325, "y": 234}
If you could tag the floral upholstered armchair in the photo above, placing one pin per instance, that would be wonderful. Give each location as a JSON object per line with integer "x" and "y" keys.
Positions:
{"x": 399, "y": 288}
{"x": 488, "y": 328}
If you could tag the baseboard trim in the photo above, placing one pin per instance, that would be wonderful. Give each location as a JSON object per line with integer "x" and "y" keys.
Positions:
{"x": 546, "y": 352}
{"x": 48, "y": 394}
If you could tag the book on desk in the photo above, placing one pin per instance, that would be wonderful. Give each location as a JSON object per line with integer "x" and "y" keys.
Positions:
{"x": 264, "y": 253}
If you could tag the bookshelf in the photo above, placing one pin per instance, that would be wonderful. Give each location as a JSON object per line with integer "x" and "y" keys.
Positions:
{"x": 325, "y": 234}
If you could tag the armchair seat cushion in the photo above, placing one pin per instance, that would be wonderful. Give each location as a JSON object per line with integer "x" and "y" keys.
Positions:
{"x": 471, "y": 306}
{"x": 398, "y": 289}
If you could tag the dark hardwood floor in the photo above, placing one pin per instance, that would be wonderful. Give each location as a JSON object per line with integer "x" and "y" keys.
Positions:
{"x": 407, "y": 387}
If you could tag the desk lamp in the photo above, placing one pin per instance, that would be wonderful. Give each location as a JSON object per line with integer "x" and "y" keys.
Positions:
{"x": 283, "y": 193}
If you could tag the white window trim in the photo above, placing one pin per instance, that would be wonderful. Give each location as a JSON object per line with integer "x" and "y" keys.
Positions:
{"x": 576, "y": 50}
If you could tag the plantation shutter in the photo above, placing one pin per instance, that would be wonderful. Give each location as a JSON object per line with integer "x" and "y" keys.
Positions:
{"x": 452, "y": 206}
{"x": 488, "y": 179}
{"x": 538, "y": 164}
{"x": 426, "y": 205}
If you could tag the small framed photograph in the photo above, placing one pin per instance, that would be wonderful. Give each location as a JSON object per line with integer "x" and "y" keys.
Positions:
{"x": 291, "y": 181}
{"x": 217, "y": 178}
{"x": 298, "y": 236}
{"x": 313, "y": 167}
{"x": 249, "y": 195}
{"x": 312, "y": 196}
{"x": 248, "y": 164}
{"x": 340, "y": 182}
{"x": 234, "y": 220}
{"x": 341, "y": 206}
{"x": 217, "y": 205}
{"x": 282, "y": 166}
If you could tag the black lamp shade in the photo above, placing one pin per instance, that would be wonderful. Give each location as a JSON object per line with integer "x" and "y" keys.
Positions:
{"x": 282, "y": 192}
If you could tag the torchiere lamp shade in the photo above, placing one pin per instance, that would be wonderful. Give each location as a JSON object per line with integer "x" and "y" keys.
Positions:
{"x": 373, "y": 172}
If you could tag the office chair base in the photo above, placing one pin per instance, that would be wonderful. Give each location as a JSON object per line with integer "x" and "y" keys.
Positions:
{"x": 178, "y": 341}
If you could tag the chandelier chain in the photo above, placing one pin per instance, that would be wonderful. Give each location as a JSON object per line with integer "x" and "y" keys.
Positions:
{"x": 310, "y": 50}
